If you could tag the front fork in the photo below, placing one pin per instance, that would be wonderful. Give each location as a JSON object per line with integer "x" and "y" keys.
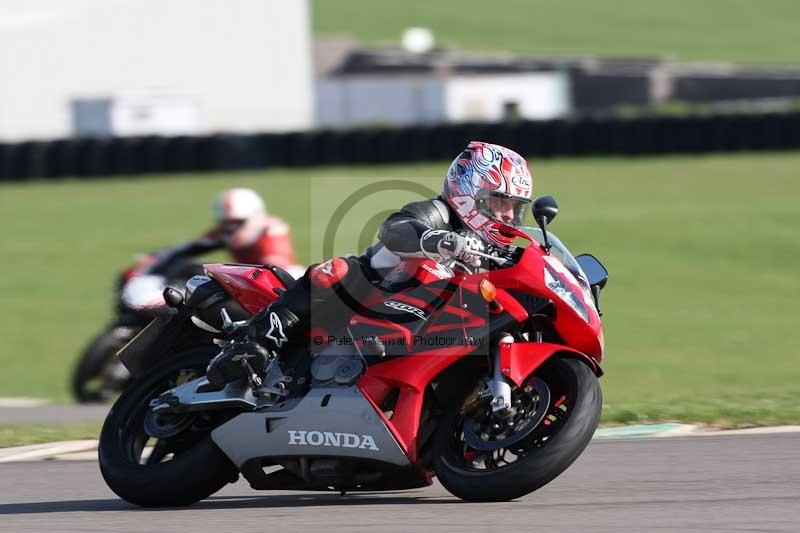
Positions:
{"x": 497, "y": 386}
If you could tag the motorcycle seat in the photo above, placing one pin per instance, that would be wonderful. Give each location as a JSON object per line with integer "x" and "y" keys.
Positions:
{"x": 282, "y": 275}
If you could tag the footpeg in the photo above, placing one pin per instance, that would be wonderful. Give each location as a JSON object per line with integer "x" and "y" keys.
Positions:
{"x": 276, "y": 391}
{"x": 274, "y": 381}
{"x": 164, "y": 402}
{"x": 253, "y": 378}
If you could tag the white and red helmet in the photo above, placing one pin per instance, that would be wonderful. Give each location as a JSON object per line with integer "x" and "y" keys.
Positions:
{"x": 489, "y": 187}
{"x": 238, "y": 204}
{"x": 237, "y": 213}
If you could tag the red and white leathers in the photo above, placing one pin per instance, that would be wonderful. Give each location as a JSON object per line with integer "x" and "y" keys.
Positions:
{"x": 250, "y": 234}
{"x": 265, "y": 239}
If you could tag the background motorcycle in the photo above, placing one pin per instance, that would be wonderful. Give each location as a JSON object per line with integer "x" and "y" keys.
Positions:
{"x": 373, "y": 413}
{"x": 98, "y": 374}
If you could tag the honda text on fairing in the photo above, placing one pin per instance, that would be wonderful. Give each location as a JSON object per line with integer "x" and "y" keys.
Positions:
{"x": 502, "y": 400}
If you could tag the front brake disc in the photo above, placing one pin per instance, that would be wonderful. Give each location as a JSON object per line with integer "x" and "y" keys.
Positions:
{"x": 493, "y": 432}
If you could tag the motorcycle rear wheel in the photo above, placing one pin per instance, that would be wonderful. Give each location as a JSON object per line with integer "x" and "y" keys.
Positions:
{"x": 506, "y": 474}
{"x": 183, "y": 468}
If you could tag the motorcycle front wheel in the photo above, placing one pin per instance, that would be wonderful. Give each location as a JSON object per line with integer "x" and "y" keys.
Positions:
{"x": 479, "y": 456}
{"x": 99, "y": 375}
{"x": 178, "y": 466}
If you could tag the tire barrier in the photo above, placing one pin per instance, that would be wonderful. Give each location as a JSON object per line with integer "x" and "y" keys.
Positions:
{"x": 743, "y": 85}
{"x": 559, "y": 138}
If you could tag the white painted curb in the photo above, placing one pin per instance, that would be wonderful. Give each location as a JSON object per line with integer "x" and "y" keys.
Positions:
{"x": 751, "y": 431}
{"x": 35, "y": 452}
{"x": 639, "y": 431}
{"x": 18, "y": 401}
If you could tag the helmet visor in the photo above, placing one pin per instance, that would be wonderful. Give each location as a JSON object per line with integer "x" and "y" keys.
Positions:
{"x": 228, "y": 228}
{"x": 502, "y": 208}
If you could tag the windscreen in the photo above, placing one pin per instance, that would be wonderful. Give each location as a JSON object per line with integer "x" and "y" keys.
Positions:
{"x": 560, "y": 252}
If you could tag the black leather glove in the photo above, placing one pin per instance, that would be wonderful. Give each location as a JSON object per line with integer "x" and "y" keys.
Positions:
{"x": 441, "y": 245}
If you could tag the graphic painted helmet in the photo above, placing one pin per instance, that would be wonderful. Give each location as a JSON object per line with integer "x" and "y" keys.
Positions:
{"x": 234, "y": 208}
{"x": 489, "y": 187}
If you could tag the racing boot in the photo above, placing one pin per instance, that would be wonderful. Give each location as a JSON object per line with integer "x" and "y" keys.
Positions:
{"x": 273, "y": 327}
{"x": 253, "y": 356}
{"x": 331, "y": 289}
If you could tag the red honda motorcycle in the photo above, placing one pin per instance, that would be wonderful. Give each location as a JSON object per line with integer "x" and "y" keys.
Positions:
{"x": 485, "y": 378}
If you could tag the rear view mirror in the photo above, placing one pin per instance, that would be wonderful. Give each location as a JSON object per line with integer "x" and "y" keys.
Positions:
{"x": 544, "y": 211}
{"x": 544, "y": 208}
{"x": 595, "y": 272}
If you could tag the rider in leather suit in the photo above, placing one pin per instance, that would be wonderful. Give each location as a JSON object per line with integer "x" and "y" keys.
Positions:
{"x": 487, "y": 189}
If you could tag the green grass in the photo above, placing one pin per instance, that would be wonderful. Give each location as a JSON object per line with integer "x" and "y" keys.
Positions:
{"x": 711, "y": 30}
{"x": 22, "y": 434}
{"x": 701, "y": 308}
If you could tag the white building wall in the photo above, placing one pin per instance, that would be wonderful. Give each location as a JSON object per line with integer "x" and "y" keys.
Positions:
{"x": 374, "y": 101}
{"x": 377, "y": 99}
{"x": 225, "y": 65}
{"x": 483, "y": 98}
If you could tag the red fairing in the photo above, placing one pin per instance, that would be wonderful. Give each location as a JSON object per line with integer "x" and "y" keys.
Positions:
{"x": 518, "y": 360}
{"x": 427, "y": 271}
{"x": 528, "y": 276}
{"x": 252, "y": 286}
{"x": 410, "y": 375}
{"x": 510, "y": 305}
{"x": 421, "y": 270}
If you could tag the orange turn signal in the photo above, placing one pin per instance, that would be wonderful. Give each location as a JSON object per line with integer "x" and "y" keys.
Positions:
{"x": 488, "y": 290}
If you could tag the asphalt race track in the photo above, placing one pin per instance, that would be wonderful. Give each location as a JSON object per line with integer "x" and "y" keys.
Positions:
{"x": 54, "y": 414}
{"x": 720, "y": 483}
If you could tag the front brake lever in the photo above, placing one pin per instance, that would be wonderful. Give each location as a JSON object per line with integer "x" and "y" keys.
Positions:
{"x": 499, "y": 260}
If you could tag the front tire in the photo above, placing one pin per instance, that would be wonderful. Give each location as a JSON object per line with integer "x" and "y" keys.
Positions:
{"x": 506, "y": 474}
{"x": 99, "y": 374}
{"x": 183, "y": 468}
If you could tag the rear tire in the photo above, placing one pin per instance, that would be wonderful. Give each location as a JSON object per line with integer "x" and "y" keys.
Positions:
{"x": 198, "y": 467}
{"x": 546, "y": 453}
